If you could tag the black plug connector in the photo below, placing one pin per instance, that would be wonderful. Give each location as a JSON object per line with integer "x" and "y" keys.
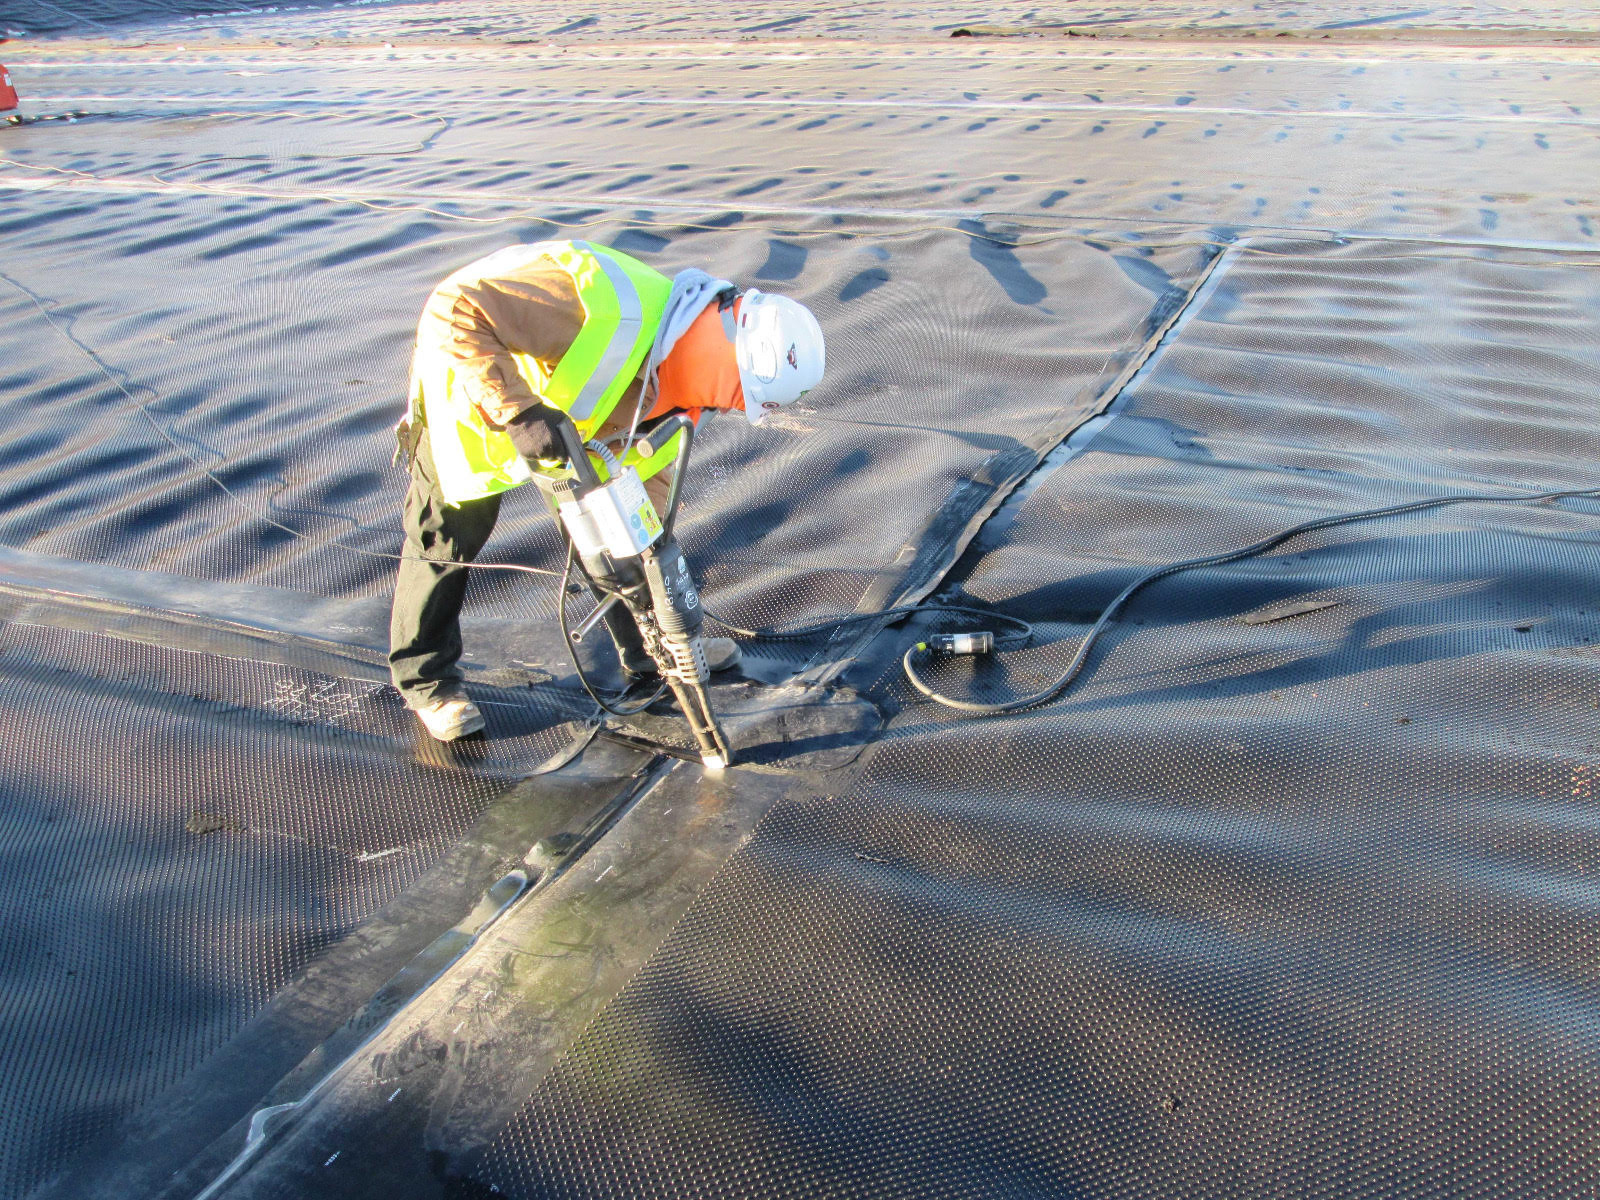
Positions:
{"x": 981, "y": 642}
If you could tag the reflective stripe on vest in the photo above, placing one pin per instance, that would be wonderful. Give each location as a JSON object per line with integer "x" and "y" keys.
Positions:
{"x": 645, "y": 464}
{"x": 623, "y": 302}
{"x": 614, "y": 320}
{"x": 625, "y": 333}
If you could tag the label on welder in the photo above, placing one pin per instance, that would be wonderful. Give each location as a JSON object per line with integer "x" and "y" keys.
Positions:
{"x": 620, "y": 516}
{"x": 644, "y": 518}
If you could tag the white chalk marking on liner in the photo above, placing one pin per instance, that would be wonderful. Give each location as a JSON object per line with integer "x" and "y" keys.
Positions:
{"x": 1011, "y": 56}
{"x": 689, "y": 103}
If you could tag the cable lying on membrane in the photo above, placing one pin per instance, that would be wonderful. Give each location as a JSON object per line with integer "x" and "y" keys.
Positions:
{"x": 955, "y": 643}
{"x": 1075, "y": 667}
{"x": 818, "y": 628}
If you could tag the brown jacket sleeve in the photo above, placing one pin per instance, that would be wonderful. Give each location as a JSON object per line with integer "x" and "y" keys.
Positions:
{"x": 479, "y": 317}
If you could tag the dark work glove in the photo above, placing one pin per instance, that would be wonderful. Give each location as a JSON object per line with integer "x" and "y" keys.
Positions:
{"x": 536, "y": 433}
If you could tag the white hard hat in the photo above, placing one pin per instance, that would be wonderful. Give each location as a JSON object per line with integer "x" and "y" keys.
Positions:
{"x": 779, "y": 351}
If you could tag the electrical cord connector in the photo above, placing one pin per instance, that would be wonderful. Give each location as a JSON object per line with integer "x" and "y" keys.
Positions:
{"x": 1062, "y": 682}
{"x": 979, "y": 641}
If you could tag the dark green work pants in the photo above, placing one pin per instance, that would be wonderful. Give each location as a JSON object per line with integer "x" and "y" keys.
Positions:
{"x": 431, "y": 584}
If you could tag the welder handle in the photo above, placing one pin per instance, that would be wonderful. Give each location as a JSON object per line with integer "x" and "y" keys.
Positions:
{"x": 594, "y": 618}
{"x": 543, "y": 433}
{"x": 658, "y": 436}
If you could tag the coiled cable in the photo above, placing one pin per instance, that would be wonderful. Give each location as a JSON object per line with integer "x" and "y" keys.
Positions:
{"x": 1063, "y": 681}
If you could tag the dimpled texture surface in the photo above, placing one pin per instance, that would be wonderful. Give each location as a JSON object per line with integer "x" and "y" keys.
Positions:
{"x": 180, "y": 835}
{"x": 1302, "y": 908}
{"x": 1299, "y": 908}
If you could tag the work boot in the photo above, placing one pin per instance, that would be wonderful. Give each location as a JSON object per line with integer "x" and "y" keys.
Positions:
{"x": 450, "y": 716}
{"x": 722, "y": 654}
{"x": 635, "y": 659}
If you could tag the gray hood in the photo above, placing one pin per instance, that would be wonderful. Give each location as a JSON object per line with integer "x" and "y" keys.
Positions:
{"x": 692, "y": 291}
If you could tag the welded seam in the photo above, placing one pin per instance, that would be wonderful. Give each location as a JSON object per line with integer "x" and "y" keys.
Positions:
{"x": 264, "y": 1122}
{"x": 335, "y": 715}
{"x": 270, "y": 1122}
{"x": 1113, "y": 396}
{"x": 914, "y": 591}
{"x": 1205, "y": 287}
{"x": 1083, "y": 435}
{"x": 47, "y": 597}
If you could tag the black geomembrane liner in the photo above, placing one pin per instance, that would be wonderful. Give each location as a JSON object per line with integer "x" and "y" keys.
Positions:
{"x": 1278, "y": 907}
{"x": 180, "y": 835}
{"x": 123, "y": 485}
{"x": 301, "y": 429}
{"x": 1295, "y": 909}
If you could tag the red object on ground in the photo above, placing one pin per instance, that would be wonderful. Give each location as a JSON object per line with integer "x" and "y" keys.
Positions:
{"x": 8, "y": 94}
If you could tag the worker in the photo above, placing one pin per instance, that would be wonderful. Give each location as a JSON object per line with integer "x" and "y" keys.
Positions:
{"x": 503, "y": 344}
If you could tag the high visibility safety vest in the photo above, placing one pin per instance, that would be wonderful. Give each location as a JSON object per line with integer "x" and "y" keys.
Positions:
{"x": 623, "y": 302}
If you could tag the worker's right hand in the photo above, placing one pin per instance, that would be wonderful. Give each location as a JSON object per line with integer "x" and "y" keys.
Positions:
{"x": 535, "y": 432}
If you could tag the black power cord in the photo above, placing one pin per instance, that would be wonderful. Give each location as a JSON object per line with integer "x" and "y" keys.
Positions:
{"x": 572, "y": 651}
{"x": 888, "y": 615}
{"x": 1064, "y": 680}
